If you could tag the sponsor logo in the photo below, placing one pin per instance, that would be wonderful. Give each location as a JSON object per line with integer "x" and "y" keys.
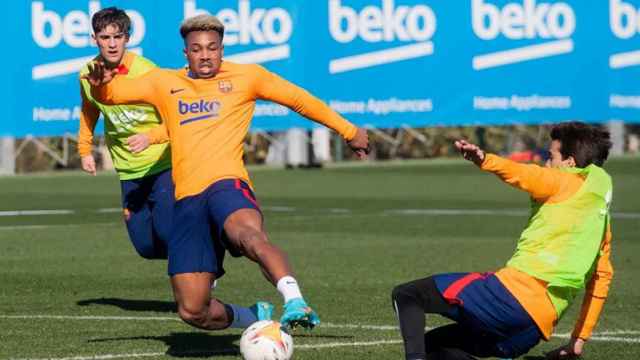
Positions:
{"x": 552, "y": 22}
{"x": 202, "y": 109}
{"x": 225, "y": 86}
{"x": 269, "y": 28}
{"x": 51, "y": 30}
{"x": 408, "y": 28}
{"x": 624, "y": 20}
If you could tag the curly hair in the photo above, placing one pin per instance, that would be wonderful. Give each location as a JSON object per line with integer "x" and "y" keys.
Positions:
{"x": 203, "y": 22}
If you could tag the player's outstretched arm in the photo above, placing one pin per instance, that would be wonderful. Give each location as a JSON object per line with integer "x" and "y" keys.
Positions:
{"x": 111, "y": 89}
{"x": 540, "y": 182}
{"x": 470, "y": 152}
{"x": 269, "y": 86}
{"x": 88, "y": 119}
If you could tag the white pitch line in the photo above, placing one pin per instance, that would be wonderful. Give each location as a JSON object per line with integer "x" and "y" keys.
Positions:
{"x": 171, "y": 318}
{"x": 36, "y": 212}
{"x": 36, "y": 227}
{"x": 599, "y": 334}
{"x": 339, "y": 211}
{"x": 99, "y": 357}
{"x": 109, "y": 210}
{"x": 596, "y": 337}
{"x": 458, "y": 212}
{"x": 345, "y": 344}
{"x": 618, "y": 332}
{"x": 279, "y": 208}
{"x": 289, "y": 209}
{"x": 490, "y": 212}
{"x": 358, "y": 326}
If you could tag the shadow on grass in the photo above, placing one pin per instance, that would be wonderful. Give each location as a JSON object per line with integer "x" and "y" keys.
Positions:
{"x": 529, "y": 357}
{"x": 203, "y": 344}
{"x": 190, "y": 344}
{"x": 132, "y": 305}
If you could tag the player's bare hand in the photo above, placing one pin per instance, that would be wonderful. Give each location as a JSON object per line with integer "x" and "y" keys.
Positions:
{"x": 138, "y": 143}
{"x": 470, "y": 151}
{"x": 572, "y": 350}
{"x": 360, "y": 143}
{"x": 99, "y": 74}
{"x": 89, "y": 164}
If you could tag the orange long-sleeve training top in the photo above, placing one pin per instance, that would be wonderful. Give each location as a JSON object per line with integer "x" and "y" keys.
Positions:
{"x": 548, "y": 185}
{"x": 207, "y": 120}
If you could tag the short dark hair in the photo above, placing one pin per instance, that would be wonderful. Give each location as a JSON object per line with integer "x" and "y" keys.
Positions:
{"x": 202, "y": 22}
{"x": 111, "y": 16}
{"x": 587, "y": 144}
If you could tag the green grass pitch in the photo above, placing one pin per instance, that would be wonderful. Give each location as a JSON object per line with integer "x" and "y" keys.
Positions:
{"x": 71, "y": 285}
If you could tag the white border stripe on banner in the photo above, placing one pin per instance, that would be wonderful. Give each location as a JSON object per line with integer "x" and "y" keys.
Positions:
{"x": 521, "y": 54}
{"x": 380, "y": 57}
{"x": 65, "y": 67}
{"x": 261, "y": 55}
{"x": 624, "y": 59}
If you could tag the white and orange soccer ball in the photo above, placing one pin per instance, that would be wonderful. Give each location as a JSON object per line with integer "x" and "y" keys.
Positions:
{"x": 265, "y": 340}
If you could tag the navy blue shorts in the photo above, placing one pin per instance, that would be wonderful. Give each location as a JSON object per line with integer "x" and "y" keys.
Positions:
{"x": 148, "y": 210}
{"x": 487, "y": 307}
{"x": 198, "y": 242}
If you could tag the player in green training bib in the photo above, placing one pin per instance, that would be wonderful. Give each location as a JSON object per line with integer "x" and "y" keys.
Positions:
{"x": 564, "y": 249}
{"x": 144, "y": 170}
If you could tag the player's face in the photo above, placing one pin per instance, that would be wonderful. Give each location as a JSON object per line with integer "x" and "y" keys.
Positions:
{"x": 111, "y": 43}
{"x": 203, "y": 50}
{"x": 555, "y": 156}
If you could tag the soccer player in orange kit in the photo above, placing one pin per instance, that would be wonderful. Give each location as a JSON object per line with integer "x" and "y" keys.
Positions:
{"x": 565, "y": 247}
{"x": 208, "y": 109}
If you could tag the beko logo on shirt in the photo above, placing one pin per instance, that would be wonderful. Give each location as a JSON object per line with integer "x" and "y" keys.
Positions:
{"x": 203, "y": 109}
{"x": 245, "y": 25}
{"x": 528, "y": 20}
{"x": 50, "y": 29}
{"x": 386, "y": 23}
{"x": 624, "y": 19}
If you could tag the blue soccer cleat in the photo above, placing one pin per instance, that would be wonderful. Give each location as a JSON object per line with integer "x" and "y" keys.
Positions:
{"x": 262, "y": 310}
{"x": 297, "y": 312}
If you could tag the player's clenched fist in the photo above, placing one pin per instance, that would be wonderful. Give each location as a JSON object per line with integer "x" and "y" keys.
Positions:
{"x": 360, "y": 143}
{"x": 470, "y": 151}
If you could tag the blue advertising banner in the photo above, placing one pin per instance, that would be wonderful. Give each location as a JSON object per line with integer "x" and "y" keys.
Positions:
{"x": 383, "y": 63}
{"x": 623, "y": 65}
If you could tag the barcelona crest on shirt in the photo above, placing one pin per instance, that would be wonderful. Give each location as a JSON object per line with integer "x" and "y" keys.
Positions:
{"x": 225, "y": 86}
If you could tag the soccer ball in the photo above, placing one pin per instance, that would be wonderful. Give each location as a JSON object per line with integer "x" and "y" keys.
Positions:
{"x": 265, "y": 340}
